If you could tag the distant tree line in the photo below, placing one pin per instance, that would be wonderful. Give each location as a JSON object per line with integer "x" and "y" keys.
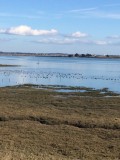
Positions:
{"x": 80, "y": 55}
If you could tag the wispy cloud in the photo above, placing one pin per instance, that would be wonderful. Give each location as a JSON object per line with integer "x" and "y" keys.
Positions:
{"x": 59, "y": 41}
{"x": 38, "y": 16}
{"x": 115, "y": 37}
{"x": 27, "y": 31}
{"x": 94, "y": 12}
{"x": 82, "y": 10}
{"x": 112, "y": 5}
{"x": 80, "y": 13}
{"x": 99, "y": 42}
{"x": 68, "y": 41}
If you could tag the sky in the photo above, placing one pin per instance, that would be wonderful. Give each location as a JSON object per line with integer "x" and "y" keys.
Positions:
{"x": 60, "y": 26}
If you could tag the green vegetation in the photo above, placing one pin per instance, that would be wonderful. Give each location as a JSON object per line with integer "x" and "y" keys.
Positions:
{"x": 41, "y": 124}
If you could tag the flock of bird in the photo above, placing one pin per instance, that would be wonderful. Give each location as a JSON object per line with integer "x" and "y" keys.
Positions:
{"x": 24, "y": 76}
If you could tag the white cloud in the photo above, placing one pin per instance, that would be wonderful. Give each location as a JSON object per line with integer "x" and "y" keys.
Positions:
{"x": 79, "y": 35}
{"x": 28, "y": 31}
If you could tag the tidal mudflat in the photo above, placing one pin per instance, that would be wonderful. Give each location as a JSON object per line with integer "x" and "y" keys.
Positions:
{"x": 45, "y": 124}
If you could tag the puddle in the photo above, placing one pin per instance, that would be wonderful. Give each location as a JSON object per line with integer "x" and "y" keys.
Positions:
{"x": 70, "y": 90}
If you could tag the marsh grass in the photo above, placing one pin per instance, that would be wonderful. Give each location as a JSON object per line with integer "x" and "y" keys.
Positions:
{"x": 43, "y": 124}
{"x": 9, "y": 65}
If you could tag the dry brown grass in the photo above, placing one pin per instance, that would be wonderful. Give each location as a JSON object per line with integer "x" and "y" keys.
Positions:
{"x": 40, "y": 124}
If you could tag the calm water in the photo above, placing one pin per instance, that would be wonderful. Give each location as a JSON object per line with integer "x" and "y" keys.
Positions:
{"x": 95, "y": 73}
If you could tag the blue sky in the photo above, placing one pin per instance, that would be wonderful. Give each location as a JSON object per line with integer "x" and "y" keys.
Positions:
{"x": 67, "y": 26}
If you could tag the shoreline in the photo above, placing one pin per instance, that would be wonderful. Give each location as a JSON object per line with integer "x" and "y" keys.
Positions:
{"x": 68, "y": 89}
{"x": 60, "y": 55}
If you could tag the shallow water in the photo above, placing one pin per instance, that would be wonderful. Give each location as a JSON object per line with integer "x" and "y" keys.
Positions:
{"x": 69, "y": 90}
{"x": 88, "y": 72}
